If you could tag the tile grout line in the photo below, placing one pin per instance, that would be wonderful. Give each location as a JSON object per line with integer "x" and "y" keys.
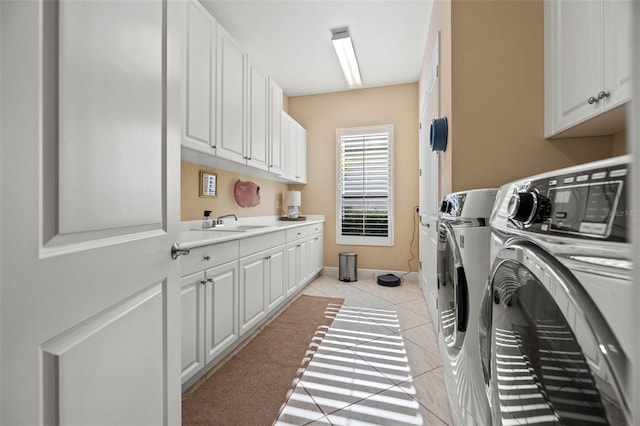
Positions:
{"x": 350, "y": 346}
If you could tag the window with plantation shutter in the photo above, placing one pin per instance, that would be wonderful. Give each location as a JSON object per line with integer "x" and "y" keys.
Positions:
{"x": 364, "y": 213}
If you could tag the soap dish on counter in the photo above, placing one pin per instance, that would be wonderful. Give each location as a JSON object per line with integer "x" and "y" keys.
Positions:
{"x": 293, "y": 219}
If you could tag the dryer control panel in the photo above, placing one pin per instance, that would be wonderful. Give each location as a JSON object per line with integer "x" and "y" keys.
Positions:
{"x": 589, "y": 203}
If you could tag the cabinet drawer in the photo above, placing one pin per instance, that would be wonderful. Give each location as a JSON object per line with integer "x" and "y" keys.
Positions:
{"x": 260, "y": 243}
{"x": 316, "y": 228}
{"x": 296, "y": 233}
{"x": 201, "y": 258}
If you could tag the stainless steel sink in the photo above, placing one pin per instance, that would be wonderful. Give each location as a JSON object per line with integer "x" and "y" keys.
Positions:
{"x": 233, "y": 228}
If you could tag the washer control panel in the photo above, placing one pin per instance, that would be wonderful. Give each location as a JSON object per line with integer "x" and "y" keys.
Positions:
{"x": 588, "y": 204}
{"x": 452, "y": 204}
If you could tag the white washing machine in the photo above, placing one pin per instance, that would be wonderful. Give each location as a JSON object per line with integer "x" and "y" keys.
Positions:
{"x": 463, "y": 267}
{"x": 555, "y": 327}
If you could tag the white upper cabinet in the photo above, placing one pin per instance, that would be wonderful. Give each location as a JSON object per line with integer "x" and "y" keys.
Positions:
{"x": 230, "y": 99}
{"x": 301, "y": 154}
{"x": 232, "y": 113}
{"x": 587, "y": 66}
{"x": 294, "y": 143}
{"x": 618, "y": 55}
{"x": 199, "y": 92}
{"x": 276, "y": 153}
{"x": 257, "y": 142}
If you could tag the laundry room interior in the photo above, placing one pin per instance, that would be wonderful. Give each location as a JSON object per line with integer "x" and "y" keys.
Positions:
{"x": 407, "y": 212}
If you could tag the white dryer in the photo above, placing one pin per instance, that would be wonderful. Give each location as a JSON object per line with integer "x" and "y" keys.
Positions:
{"x": 555, "y": 325}
{"x": 463, "y": 267}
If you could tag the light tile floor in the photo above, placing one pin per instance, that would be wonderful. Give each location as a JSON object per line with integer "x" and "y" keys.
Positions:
{"x": 378, "y": 363}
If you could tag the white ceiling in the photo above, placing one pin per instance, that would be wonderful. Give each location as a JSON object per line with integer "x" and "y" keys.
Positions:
{"x": 291, "y": 39}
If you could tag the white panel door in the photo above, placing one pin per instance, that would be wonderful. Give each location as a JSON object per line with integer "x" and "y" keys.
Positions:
{"x": 192, "y": 324}
{"x": 293, "y": 267}
{"x": 291, "y": 146}
{"x": 301, "y": 154}
{"x": 429, "y": 184}
{"x": 199, "y": 117}
{"x": 276, "y": 277}
{"x": 578, "y": 55}
{"x": 314, "y": 254}
{"x": 221, "y": 312}
{"x": 258, "y": 114}
{"x": 90, "y": 133}
{"x": 575, "y": 53}
{"x": 276, "y": 157}
{"x": 252, "y": 291}
{"x": 230, "y": 108}
{"x": 618, "y": 53}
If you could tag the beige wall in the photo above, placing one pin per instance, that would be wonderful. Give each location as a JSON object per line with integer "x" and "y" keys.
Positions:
{"x": 620, "y": 144}
{"x": 321, "y": 115}
{"x": 192, "y": 206}
{"x": 492, "y": 52}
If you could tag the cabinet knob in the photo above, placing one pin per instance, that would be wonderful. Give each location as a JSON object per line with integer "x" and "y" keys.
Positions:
{"x": 207, "y": 257}
{"x": 203, "y": 282}
{"x": 603, "y": 95}
{"x": 592, "y": 100}
{"x": 210, "y": 280}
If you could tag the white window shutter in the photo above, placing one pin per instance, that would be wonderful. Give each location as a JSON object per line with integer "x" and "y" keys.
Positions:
{"x": 365, "y": 186}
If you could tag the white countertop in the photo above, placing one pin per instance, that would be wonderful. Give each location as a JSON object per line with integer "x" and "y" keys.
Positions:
{"x": 192, "y": 235}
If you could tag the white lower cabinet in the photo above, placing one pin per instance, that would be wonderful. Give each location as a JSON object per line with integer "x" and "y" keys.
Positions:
{"x": 220, "y": 308}
{"x": 209, "y": 315}
{"x": 230, "y": 288}
{"x": 314, "y": 255}
{"x": 262, "y": 286}
{"x": 296, "y": 253}
{"x": 192, "y": 298}
{"x": 252, "y": 291}
{"x": 276, "y": 278}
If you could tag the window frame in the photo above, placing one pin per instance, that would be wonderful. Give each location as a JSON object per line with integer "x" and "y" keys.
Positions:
{"x": 387, "y": 241}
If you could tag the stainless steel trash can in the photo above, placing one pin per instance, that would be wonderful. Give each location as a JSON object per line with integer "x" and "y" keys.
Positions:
{"x": 348, "y": 267}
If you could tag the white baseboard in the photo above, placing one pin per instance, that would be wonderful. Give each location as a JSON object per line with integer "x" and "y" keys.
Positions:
{"x": 332, "y": 272}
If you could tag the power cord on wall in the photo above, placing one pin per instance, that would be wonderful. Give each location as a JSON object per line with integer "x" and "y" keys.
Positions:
{"x": 413, "y": 237}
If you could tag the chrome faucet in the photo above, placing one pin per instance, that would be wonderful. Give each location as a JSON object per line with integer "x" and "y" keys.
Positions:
{"x": 220, "y": 222}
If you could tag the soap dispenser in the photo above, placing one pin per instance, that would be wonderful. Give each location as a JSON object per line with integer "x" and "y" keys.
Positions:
{"x": 206, "y": 220}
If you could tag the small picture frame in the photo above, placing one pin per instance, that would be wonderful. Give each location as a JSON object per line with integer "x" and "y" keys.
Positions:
{"x": 208, "y": 185}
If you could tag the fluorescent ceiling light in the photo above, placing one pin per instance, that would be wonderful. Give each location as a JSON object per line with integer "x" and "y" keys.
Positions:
{"x": 347, "y": 57}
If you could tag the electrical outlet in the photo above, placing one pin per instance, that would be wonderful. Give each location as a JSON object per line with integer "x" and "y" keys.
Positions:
{"x": 277, "y": 204}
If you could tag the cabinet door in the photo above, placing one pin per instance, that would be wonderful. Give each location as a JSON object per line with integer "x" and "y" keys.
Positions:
{"x": 618, "y": 55}
{"x": 293, "y": 267}
{"x": 252, "y": 291}
{"x": 200, "y": 78}
{"x": 257, "y": 152}
{"x": 303, "y": 261}
{"x": 276, "y": 158}
{"x": 276, "y": 277}
{"x": 221, "y": 314}
{"x": 315, "y": 254}
{"x": 301, "y": 154}
{"x": 573, "y": 58}
{"x": 289, "y": 145}
{"x": 191, "y": 296}
{"x": 230, "y": 99}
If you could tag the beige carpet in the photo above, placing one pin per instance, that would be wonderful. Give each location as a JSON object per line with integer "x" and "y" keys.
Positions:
{"x": 251, "y": 387}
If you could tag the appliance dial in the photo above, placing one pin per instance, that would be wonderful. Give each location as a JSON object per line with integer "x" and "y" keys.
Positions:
{"x": 446, "y": 206}
{"x": 528, "y": 207}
